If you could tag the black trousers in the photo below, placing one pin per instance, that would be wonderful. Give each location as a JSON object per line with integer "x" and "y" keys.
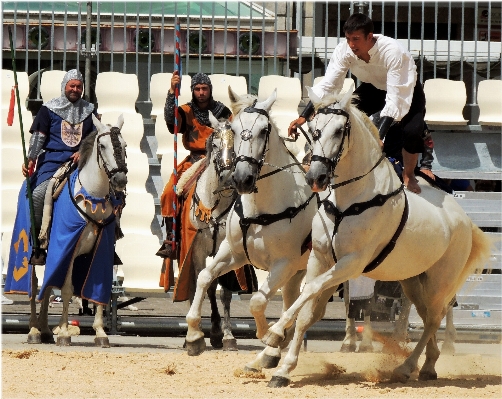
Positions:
{"x": 408, "y": 133}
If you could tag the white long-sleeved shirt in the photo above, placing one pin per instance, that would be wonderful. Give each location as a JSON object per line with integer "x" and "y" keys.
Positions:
{"x": 391, "y": 68}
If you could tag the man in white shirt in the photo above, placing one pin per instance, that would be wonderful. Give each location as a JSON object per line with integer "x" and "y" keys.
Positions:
{"x": 389, "y": 91}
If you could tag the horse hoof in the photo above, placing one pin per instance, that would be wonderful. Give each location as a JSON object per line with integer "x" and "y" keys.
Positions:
{"x": 102, "y": 342}
{"x": 270, "y": 362}
{"x": 448, "y": 349}
{"x": 251, "y": 370}
{"x": 196, "y": 347}
{"x": 366, "y": 349}
{"x": 348, "y": 348}
{"x": 399, "y": 377}
{"x": 427, "y": 376}
{"x": 47, "y": 338}
{"x": 34, "y": 339}
{"x": 216, "y": 340}
{"x": 230, "y": 344}
{"x": 63, "y": 341}
{"x": 278, "y": 382}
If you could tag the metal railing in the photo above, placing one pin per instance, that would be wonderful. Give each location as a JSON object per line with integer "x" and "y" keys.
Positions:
{"x": 454, "y": 40}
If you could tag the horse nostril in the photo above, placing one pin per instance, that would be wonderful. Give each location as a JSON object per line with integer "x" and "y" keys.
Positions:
{"x": 321, "y": 179}
{"x": 249, "y": 181}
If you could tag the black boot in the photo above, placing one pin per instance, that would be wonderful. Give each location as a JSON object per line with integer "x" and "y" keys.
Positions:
{"x": 38, "y": 257}
{"x": 166, "y": 250}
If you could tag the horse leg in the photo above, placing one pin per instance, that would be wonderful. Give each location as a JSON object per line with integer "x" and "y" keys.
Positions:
{"x": 331, "y": 278}
{"x": 400, "y": 333}
{"x": 366, "y": 344}
{"x": 312, "y": 311}
{"x": 450, "y": 334}
{"x": 43, "y": 320}
{"x": 64, "y": 336}
{"x": 216, "y": 334}
{"x": 222, "y": 263}
{"x": 101, "y": 338}
{"x": 279, "y": 276}
{"x": 349, "y": 343}
{"x": 290, "y": 291}
{"x": 413, "y": 289}
{"x": 229, "y": 341}
{"x": 34, "y": 336}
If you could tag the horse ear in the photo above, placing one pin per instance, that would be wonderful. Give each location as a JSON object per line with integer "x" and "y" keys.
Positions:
{"x": 234, "y": 97}
{"x": 120, "y": 121}
{"x": 213, "y": 120}
{"x": 98, "y": 123}
{"x": 267, "y": 104}
{"x": 347, "y": 97}
{"x": 313, "y": 97}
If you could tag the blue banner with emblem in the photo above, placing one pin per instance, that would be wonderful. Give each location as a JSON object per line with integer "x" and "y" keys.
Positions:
{"x": 18, "y": 279}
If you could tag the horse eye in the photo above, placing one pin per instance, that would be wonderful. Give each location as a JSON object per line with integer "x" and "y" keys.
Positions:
{"x": 264, "y": 131}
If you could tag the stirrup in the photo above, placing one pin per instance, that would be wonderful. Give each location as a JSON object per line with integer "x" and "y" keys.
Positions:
{"x": 166, "y": 250}
{"x": 38, "y": 257}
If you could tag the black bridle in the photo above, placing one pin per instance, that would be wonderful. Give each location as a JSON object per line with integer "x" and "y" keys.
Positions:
{"x": 246, "y": 135}
{"x": 117, "y": 153}
{"x": 316, "y": 135}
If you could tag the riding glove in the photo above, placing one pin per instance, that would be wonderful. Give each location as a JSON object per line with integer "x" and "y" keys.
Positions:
{"x": 308, "y": 111}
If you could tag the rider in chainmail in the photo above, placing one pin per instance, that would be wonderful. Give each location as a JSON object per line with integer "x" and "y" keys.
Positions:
{"x": 56, "y": 133}
{"x": 195, "y": 127}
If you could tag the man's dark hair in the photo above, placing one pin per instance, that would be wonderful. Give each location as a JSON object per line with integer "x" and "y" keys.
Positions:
{"x": 358, "y": 21}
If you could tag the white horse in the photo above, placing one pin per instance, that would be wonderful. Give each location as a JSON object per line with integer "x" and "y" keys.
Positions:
{"x": 369, "y": 224}
{"x": 94, "y": 191}
{"x": 209, "y": 207}
{"x": 268, "y": 224}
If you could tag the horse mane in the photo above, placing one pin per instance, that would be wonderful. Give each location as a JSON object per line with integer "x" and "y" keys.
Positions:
{"x": 85, "y": 150}
{"x": 353, "y": 111}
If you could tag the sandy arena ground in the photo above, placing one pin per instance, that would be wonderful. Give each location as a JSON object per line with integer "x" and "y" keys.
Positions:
{"x": 146, "y": 367}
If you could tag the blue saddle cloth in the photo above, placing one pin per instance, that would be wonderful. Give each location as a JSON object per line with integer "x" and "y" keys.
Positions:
{"x": 92, "y": 275}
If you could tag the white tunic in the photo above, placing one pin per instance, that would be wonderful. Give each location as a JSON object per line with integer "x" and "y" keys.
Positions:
{"x": 391, "y": 68}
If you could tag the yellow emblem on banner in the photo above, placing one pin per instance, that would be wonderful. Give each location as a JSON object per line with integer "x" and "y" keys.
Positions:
{"x": 20, "y": 271}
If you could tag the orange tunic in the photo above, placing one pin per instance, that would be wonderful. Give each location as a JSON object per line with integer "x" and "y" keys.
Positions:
{"x": 194, "y": 139}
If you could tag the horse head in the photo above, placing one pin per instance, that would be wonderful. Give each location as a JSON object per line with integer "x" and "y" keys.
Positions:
{"x": 330, "y": 130}
{"x": 251, "y": 127}
{"x": 111, "y": 152}
{"x": 220, "y": 149}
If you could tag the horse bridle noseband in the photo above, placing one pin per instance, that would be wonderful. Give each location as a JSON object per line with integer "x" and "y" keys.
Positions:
{"x": 117, "y": 148}
{"x": 246, "y": 135}
{"x": 316, "y": 135}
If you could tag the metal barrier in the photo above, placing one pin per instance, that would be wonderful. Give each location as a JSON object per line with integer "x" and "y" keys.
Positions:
{"x": 459, "y": 41}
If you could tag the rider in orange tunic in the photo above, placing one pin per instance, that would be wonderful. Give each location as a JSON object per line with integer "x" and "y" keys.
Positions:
{"x": 195, "y": 127}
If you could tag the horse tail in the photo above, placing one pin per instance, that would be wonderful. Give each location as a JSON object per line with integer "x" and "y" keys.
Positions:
{"x": 479, "y": 255}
